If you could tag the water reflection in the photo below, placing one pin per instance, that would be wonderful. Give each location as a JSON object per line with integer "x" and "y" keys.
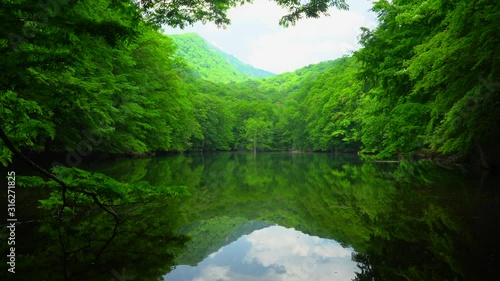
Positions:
{"x": 406, "y": 221}
{"x": 273, "y": 253}
{"x": 90, "y": 245}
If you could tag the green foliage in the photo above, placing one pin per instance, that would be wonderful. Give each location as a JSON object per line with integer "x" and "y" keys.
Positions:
{"x": 205, "y": 61}
{"x": 23, "y": 120}
{"x": 431, "y": 69}
{"x": 257, "y": 134}
{"x": 404, "y": 129}
{"x": 108, "y": 191}
{"x": 330, "y": 105}
{"x": 184, "y": 13}
{"x": 108, "y": 74}
{"x": 216, "y": 122}
{"x": 458, "y": 64}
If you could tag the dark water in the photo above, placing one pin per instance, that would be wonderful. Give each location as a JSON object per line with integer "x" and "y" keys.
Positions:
{"x": 281, "y": 216}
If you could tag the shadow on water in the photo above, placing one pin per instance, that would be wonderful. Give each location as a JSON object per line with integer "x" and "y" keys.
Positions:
{"x": 406, "y": 221}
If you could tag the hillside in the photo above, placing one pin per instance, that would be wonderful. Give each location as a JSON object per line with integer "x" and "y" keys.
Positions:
{"x": 284, "y": 112}
{"x": 286, "y": 84}
{"x": 207, "y": 62}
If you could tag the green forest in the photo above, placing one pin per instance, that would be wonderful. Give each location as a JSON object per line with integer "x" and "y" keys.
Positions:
{"x": 99, "y": 76}
{"x": 90, "y": 79}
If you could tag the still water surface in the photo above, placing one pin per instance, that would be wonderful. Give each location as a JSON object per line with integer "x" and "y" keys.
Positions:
{"x": 283, "y": 216}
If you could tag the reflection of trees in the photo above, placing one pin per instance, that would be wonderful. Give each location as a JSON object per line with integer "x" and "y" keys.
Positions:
{"x": 379, "y": 209}
{"x": 136, "y": 169}
{"x": 399, "y": 259}
{"x": 397, "y": 217}
{"x": 98, "y": 227}
{"x": 418, "y": 238}
{"x": 170, "y": 171}
{"x": 145, "y": 245}
{"x": 366, "y": 272}
{"x": 314, "y": 193}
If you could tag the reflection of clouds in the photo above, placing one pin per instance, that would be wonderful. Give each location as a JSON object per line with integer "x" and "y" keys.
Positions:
{"x": 218, "y": 273}
{"x": 302, "y": 257}
{"x": 273, "y": 254}
{"x": 275, "y": 243}
{"x": 213, "y": 273}
{"x": 331, "y": 249}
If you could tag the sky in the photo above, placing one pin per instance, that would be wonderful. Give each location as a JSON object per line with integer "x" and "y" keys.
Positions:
{"x": 256, "y": 38}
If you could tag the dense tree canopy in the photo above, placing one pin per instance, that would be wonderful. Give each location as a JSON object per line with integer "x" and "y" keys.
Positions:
{"x": 431, "y": 68}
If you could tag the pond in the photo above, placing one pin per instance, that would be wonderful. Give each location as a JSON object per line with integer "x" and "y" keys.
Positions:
{"x": 296, "y": 216}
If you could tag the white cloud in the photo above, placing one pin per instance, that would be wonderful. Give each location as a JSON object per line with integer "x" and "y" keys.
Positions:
{"x": 218, "y": 273}
{"x": 279, "y": 254}
{"x": 302, "y": 256}
{"x": 256, "y": 38}
{"x": 310, "y": 41}
{"x": 215, "y": 273}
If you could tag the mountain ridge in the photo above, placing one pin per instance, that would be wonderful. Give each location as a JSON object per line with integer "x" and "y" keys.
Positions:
{"x": 199, "y": 56}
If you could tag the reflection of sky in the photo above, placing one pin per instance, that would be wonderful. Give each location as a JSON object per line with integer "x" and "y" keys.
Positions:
{"x": 274, "y": 253}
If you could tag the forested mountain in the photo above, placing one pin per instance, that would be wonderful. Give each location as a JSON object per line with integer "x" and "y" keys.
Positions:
{"x": 423, "y": 84}
{"x": 211, "y": 235}
{"x": 207, "y": 62}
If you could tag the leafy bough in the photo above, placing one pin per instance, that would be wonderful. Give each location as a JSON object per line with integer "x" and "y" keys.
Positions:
{"x": 80, "y": 201}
